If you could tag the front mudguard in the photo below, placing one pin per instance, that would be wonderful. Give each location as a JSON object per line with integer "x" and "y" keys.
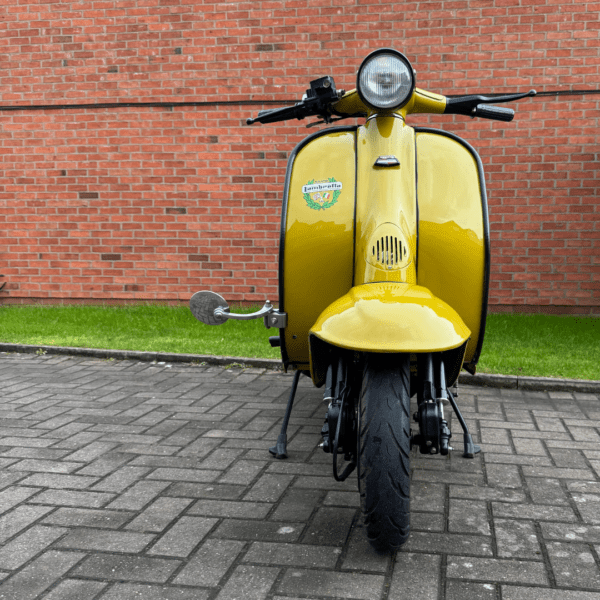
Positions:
{"x": 386, "y": 317}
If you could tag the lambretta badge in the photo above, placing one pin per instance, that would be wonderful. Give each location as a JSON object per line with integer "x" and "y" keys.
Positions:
{"x": 323, "y": 194}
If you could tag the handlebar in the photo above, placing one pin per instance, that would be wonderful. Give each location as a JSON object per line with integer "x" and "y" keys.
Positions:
{"x": 497, "y": 113}
{"x": 322, "y": 100}
{"x": 479, "y": 106}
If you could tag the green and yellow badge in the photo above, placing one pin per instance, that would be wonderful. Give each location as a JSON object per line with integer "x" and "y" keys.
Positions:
{"x": 320, "y": 195}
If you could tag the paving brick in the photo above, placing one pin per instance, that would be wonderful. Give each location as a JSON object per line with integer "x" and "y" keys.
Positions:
{"x": 351, "y": 499}
{"x": 159, "y": 514}
{"x": 467, "y": 516}
{"x": 224, "y": 508}
{"x": 533, "y": 512}
{"x": 574, "y": 532}
{"x": 206, "y": 490}
{"x": 59, "y": 481}
{"x": 105, "y": 540}
{"x": 19, "y": 518}
{"x": 126, "y": 568}
{"x": 72, "y": 498}
{"x": 209, "y": 564}
{"x": 512, "y": 592}
{"x": 136, "y": 497}
{"x": 331, "y": 584}
{"x": 243, "y": 472}
{"x": 573, "y": 565}
{"x": 503, "y": 476}
{"x": 299, "y": 555}
{"x": 238, "y": 529}
{"x": 269, "y": 488}
{"x": 75, "y": 589}
{"x": 485, "y": 493}
{"x": 45, "y": 466}
{"x": 415, "y": 576}
{"x": 183, "y": 537}
{"x": 547, "y": 491}
{"x": 39, "y": 575}
{"x": 330, "y": 526}
{"x": 517, "y": 539}
{"x": 361, "y": 556}
{"x": 448, "y": 543}
{"x": 121, "y": 479}
{"x": 195, "y": 475}
{"x": 25, "y": 546}
{"x": 558, "y": 473}
{"x": 492, "y": 569}
{"x": 81, "y": 517}
{"x": 465, "y": 590}
{"x": 127, "y": 591}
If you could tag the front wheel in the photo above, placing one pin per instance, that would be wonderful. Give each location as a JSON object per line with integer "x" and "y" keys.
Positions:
{"x": 384, "y": 449}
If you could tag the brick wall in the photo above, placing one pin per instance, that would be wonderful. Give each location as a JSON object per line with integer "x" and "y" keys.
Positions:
{"x": 155, "y": 202}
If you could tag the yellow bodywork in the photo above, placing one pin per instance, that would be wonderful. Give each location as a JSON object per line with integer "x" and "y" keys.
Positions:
{"x": 396, "y": 261}
{"x": 391, "y": 317}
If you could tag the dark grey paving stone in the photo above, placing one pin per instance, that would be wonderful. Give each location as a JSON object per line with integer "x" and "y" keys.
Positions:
{"x": 517, "y": 539}
{"x": 81, "y": 517}
{"x": 105, "y": 540}
{"x": 127, "y": 568}
{"x": 574, "y": 565}
{"x": 448, "y": 543}
{"x": 299, "y": 555}
{"x": 19, "y": 518}
{"x": 24, "y": 547}
{"x": 513, "y": 592}
{"x": 331, "y": 584}
{"x": 206, "y": 490}
{"x": 468, "y": 516}
{"x": 75, "y": 589}
{"x": 139, "y": 495}
{"x": 240, "y": 529}
{"x": 129, "y": 591}
{"x": 159, "y": 514}
{"x": 464, "y": 590}
{"x": 82, "y": 499}
{"x": 533, "y": 512}
{"x": 571, "y": 532}
{"x": 181, "y": 539}
{"x": 249, "y": 582}
{"x": 209, "y": 564}
{"x": 226, "y": 508}
{"x": 416, "y": 576}
{"x": 492, "y": 569}
{"x": 39, "y": 575}
{"x": 330, "y": 526}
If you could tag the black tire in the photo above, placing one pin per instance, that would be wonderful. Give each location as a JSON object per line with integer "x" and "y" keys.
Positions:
{"x": 384, "y": 449}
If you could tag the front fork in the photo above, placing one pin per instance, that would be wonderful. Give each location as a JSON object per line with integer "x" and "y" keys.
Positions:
{"x": 434, "y": 434}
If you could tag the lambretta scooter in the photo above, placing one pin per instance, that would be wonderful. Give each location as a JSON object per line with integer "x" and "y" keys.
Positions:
{"x": 383, "y": 276}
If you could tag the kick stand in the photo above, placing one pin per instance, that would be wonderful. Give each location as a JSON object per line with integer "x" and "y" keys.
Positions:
{"x": 279, "y": 450}
{"x": 471, "y": 449}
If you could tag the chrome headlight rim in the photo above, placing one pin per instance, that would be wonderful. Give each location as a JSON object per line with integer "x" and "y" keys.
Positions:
{"x": 413, "y": 73}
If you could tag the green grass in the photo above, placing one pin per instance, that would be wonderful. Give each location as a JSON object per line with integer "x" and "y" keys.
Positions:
{"x": 516, "y": 344}
{"x": 146, "y": 327}
{"x": 542, "y": 346}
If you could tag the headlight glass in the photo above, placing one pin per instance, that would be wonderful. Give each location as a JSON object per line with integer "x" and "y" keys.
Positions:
{"x": 386, "y": 80}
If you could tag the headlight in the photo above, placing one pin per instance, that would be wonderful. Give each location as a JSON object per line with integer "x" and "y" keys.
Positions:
{"x": 385, "y": 80}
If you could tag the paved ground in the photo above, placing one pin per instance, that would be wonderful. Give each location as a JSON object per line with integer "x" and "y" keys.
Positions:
{"x": 128, "y": 480}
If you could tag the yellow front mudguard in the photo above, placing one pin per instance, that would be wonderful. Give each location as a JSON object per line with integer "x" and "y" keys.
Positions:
{"x": 387, "y": 317}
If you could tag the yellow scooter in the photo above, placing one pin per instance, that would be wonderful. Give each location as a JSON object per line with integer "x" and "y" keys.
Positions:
{"x": 383, "y": 276}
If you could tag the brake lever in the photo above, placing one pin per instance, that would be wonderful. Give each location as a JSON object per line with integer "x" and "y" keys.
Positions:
{"x": 464, "y": 105}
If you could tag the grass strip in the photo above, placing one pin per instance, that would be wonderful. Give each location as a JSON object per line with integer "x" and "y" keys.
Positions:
{"x": 515, "y": 344}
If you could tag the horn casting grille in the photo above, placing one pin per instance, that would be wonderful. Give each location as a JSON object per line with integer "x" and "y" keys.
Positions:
{"x": 388, "y": 251}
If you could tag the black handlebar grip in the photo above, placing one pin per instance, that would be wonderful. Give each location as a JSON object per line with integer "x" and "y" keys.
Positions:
{"x": 489, "y": 111}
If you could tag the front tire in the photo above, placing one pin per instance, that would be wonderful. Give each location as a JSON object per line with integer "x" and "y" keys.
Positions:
{"x": 384, "y": 449}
